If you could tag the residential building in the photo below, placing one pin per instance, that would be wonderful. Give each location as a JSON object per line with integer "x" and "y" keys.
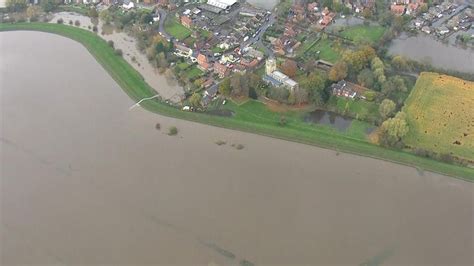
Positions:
{"x": 221, "y": 70}
{"x": 203, "y": 62}
{"x": 186, "y": 21}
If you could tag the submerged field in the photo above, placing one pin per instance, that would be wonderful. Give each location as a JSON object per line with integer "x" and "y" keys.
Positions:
{"x": 440, "y": 112}
{"x": 251, "y": 117}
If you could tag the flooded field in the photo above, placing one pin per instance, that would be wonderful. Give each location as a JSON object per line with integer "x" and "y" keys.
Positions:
{"x": 268, "y": 4}
{"x": 86, "y": 181}
{"x": 426, "y": 49}
{"x": 171, "y": 91}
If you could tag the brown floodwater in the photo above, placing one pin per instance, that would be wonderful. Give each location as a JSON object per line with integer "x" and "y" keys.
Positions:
{"x": 85, "y": 181}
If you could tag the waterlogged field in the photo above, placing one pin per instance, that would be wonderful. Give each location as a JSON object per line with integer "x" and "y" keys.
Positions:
{"x": 364, "y": 33}
{"x": 440, "y": 112}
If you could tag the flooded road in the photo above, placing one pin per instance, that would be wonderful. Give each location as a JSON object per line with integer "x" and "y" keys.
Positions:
{"x": 426, "y": 49}
{"x": 86, "y": 181}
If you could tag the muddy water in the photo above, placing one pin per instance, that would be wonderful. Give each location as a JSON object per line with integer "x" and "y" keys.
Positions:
{"x": 167, "y": 88}
{"x": 428, "y": 50}
{"x": 86, "y": 181}
{"x": 268, "y": 4}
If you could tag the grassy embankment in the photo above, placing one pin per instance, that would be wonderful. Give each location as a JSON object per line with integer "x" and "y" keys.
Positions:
{"x": 440, "y": 113}
{"x": 251, "y": 117}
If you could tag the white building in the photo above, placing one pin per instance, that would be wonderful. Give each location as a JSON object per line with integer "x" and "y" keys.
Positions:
{"x": 222, "y": 4}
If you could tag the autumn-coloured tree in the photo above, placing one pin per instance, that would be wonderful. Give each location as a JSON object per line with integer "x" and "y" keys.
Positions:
{"x": 338, "y": 71}
{"x": 289, "y": 67}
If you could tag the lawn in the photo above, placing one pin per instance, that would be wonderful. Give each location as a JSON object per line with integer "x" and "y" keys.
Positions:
{"x": 175, "y": 29}
{"x": 251, "y": 117}
{"x": 312, "y": 46}
{"x": 440, "y": 114}
{"x": 193, "y": 73}
{"x": 358, "y": 109}
{"x": 363, "y": 33}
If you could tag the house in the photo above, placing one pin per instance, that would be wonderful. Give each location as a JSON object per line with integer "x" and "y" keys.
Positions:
{"x": 341, "y": 89}
{"x": 221, "y": 70}
{"x": 186, "y": 21}
{"x": 397, "y": 9}
{"x": 203, "y": 62}
{"x": 183, "y": 51}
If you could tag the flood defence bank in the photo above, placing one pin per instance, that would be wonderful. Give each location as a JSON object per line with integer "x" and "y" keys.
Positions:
{"x": 136, "y": 88}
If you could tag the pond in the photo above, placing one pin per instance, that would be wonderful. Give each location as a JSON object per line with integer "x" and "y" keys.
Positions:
{"x": 335, "y": 120}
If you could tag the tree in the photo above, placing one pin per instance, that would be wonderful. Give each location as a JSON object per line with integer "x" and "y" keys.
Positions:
{"x": 393, "y": 130}
{"x": 111, "y": 43}
{"x": 386, "y": 108}
{"x": 33, "y": 11}
{"x": 289, "y": 67}
{"x": 224, "y": 87}
{"x": 195, "y": 100}
{"x": 366, "y": 78}
{"x": 93, "y": 13}
{"x": 78, "y": 23}
{"x": 399, "y": 62}
{"x": 49, "y": 5}
{"x": 338, "y": 71}
{"x": 106, "y": 16}
{"x": 314, "y": 84}
{"x": 16, "y": 5}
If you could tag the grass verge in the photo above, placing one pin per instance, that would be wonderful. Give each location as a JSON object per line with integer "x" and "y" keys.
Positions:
{"x": 250, "y": 117}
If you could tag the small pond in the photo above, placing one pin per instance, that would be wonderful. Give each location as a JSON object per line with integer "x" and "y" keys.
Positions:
{"x": 322, "y": 117}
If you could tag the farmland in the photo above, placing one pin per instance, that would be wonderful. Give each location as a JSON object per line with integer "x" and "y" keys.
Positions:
{"x": 440, "y": 115}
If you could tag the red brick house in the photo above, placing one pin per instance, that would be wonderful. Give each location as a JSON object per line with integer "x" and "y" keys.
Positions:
{"x": 221, "y": 70}
{"x": 203, "y": 62}
{"x": 186, "y": 21}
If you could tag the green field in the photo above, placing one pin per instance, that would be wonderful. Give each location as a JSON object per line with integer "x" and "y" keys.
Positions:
{"x": 363, "y": 33}
{"x": 173, "y": 27}
{"x": 359, "y": 109}
{"x": 440, "y": 114}
{"x": 311, "y": 47}
{"x": 193, "y": 73}
{"x": 251, "y": 117}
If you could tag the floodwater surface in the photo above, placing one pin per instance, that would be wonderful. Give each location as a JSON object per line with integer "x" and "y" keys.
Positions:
{"x": 322, "y": 117}
{"x": 267, "y": 4}
{"x": 426, "y": 49}
{"x": 85, "y": 181}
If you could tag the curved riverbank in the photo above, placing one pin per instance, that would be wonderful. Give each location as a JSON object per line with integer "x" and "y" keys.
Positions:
{"x": 134, "y": 85}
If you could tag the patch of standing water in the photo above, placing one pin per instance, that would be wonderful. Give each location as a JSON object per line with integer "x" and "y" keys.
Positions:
{"x": 332, "y": 119}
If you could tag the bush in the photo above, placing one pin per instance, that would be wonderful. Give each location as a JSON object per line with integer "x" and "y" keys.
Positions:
{"x": 173, "y": 131}
{"x": 70, "y": 22}
{"x": 283, "y": 121}
{"x": 158, "y": 126}
{"x": 118, "y": 52}
{"x": 60, "y": 21}
{"x": 77, "y": 23}
{"x": 111, "y": 43}
{"x": 94, "y": 29}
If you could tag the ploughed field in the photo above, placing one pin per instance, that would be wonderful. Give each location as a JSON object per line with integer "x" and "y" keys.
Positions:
{"x": 440, "y": 113}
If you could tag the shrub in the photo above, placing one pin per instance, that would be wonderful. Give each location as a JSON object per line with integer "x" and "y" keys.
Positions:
{"x": 60, "y": 21}
{"x": 118, "y": 52}
{"x": 70, "y": 22}
{"x": 283, "y": 121}
{"x": 157, "y": 126}
{"x": 173, "y": 131}
{"x": 111, "y": 43}
{"x": 77, "y": 23}
{"x": 94, "y": 29}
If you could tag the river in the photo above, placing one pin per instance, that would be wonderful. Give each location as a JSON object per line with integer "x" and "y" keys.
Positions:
{"x": 85, "y": 181}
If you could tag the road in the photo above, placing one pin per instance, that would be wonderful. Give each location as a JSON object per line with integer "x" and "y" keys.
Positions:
{"x": 161, "y": 27}
{"x": 257, "y": 40}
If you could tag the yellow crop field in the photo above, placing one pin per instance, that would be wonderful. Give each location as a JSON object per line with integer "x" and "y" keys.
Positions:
{"x": 440, "y": 114}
